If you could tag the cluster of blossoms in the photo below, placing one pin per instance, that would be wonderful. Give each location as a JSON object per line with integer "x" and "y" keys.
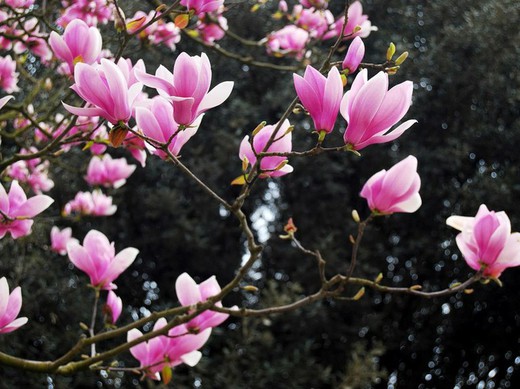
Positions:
{"x": 33, "y": 172}
{"x": 182, "y": 342}
{"x": 312, "y": 21}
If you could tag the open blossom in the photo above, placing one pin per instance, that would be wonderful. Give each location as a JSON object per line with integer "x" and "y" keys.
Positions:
{"x": 60, "y": 239}
{"x": 371, "y": 110}
{"x": 486, "y": 241}
{"x": 290, "y": 40}
{"x": 10, "y": 305}
{"x": 316, "y": 22}
{"x": 8, "y": 74}
{"x": 191, "y": 293}
{"x": 178, "y": 347}
{"x": 79, "y": 43}
{"x": 92, "y": 204}
{"x": 212, "y": 29}
{"x": 272, "y": 166}
{"x": 157, "y": 122}
{"x": 98, "y": 259}
{"x": 355, "y": 54}
{"x": 92, "y": 12}
{"x": 395, "y": 190}
{"x": 19, "y": 3}
{"x": 355, "y": 19}
{"x": 202, "y": 6}
{"x": 188, "y": 87}
{"x": 321, "y": 96}
{"x": 33, "y": 172}
{"x": 17, "y": 211}
{"x": 108, "y": 172}
{"x": 105, "y": 87}
{"x": 113, "y": 307}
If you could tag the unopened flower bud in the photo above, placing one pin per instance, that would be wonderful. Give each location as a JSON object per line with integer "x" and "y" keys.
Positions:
{"x": 401, "y": 58}
{"x": 390, "y": 51}
{"x": 355, "y": 216}
{"x": 250, "y": 288}
{"x": 359, "y": 294}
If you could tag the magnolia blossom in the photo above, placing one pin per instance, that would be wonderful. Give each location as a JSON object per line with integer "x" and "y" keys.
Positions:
{"x": 108, "y": 172}
{"x": 486, "y": 241}
{"x": 92, "y": 12}
{"x": 93, "y": 204}
{"x": 355, "y": 54}
{"x": 202, "y": 6}
{"x": 290, "y": 40}
{"x": 190, "y": 293}
{"x": 8, "y": 75}
{"x": 188, "y": 87}
{"x": 10, "y": 305}
{"x": 106, "y": 88}
{"x": 371, "y": 110}
{"x": 315, "y": 3}
{"x": 97, "y": 258}
{"x": 321, "y": 96}
{"x": 355, "y": 20}
{"x": 113, "y": 307}
{"x": 60, "y": 239}
{"x": 16, "y": 210}
{"x": 157, "y": 122}
{"x": 180, "y": 346}
{"x": 33, "y": 172}
{"x": 395, "y": 190}
{"x": 317, "y": 22}
{"x": 273, "y": 166}
{"x": 31, "y": 39}
{"x": 79, "y": 43}
{"x": 19, "y": 3}
{"x": 212, "y": 29}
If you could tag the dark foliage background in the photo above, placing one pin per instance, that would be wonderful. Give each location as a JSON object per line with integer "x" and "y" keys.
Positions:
{"x": 463, "y": 61}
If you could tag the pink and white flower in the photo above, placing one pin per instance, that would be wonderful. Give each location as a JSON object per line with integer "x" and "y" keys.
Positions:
{"x": 486, "y": 241}
{"x": 10, "y": 305}
{"x": 395, "y": 190}
{"x": 98, "y": 259}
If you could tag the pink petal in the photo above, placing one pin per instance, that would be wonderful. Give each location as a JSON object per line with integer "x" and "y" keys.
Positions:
{"x": 187, "y": 290}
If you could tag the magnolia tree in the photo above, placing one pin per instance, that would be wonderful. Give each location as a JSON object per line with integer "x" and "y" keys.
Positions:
{"x": 108, "y": 102}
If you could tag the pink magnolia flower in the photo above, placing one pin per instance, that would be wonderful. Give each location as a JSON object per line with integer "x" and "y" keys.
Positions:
{"x": 270, "y": 166}
{"x": 371, "y": 109}
{"x": 33, "y": 172}
{"x": 93, "y": 204}
{"x": 10, "y": 305}
{"x": 113, "y": 307}
{"x": 202, "y": 6}
{"x": 190, "y": 293}
{"x": 188, "y": 87}
{"x": 178, "y": 347}
{"x": 91, "y": 12}
{"x": 106, "y": 88}
{"x": 19, "y": 3}
{"x": 316, "y": 22}
{"x": 213, "y": 29}
{"x": 108, "y": 172}
{"x": 315, "y": 3}
{"x": 8, "y": 75}
{"x": 60, "y": 238}
{"x": 486, "y": 241}
{"x": 290, "y": 40}
{"x": 355, "y": 54}
{"x": 395, "y": 190}
{"x": 4, "y": 100}
{"x": 79, "y": 43}
{"x": 320, "y": 95}
{"x": 166, "y": 33}
{"x": 355, "y": 19}
{"x": 30, "y": 39}
{"x": 157, "y": 122}
{"x": 16, "y": 210}
{"x": 97, "y": 258}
